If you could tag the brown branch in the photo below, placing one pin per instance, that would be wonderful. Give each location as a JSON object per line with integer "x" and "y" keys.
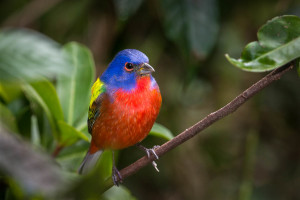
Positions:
{"x": 204, "y": 123}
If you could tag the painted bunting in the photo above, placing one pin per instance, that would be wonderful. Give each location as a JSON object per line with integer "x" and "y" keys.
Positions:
{"x": 124, "y": 105}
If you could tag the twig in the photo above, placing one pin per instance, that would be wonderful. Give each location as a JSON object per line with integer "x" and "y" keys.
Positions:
{"x": 57, "y": 150}
{"x": 204, "y": 123}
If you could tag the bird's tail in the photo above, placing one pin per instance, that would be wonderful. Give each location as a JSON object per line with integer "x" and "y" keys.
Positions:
{"x": 89, "y": 162}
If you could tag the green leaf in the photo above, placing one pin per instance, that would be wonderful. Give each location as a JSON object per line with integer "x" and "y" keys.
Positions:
{"x": 126, "y": 8}
{"x": 69, "y": 135}
{"x": 44, "y": 94}
{"x": 104, "y": 165}
{"x": 116, "y": 193}
{"x": 48, "y": 96}
{"x": 159, "y": 130}
{"x": 91, "y": 185}
{"x": 74, "y": 89}
{"x": 193, "y": 25}
{"x": 28, "y": 55}
{"x": 71, "y": 157}
{"x": 9, "y": 91}
{"x": 278, "y": 44}
{"x": 7, "y": 119}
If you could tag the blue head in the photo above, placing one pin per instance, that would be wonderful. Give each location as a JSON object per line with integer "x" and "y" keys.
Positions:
{"x": 125, "y": 68}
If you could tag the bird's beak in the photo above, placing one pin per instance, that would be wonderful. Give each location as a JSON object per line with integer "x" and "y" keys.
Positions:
{"x": 145, "y": 69}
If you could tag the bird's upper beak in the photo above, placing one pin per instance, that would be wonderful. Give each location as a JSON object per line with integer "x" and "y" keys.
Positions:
{"x": 145, "y": 69}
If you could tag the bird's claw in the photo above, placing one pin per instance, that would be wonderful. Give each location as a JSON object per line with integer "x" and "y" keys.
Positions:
{"x": 149, "y": 152}
{"x": 152, "y": 150}
{"x": 116, "y": 176}
{"x": 155, "y": 166}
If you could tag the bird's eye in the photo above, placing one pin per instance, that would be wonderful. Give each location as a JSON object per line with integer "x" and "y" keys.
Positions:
{"x": 128, "y": 67}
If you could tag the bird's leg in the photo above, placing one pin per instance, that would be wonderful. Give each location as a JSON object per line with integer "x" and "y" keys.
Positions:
{"x": 148, "y": 152}
{"x": 116, "y": 175}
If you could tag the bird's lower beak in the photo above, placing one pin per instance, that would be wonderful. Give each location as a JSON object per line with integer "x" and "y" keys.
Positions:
{"x": 145, "y": 69}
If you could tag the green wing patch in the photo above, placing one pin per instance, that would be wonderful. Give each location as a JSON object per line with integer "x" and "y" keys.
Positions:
{"x": 97, "y": 90}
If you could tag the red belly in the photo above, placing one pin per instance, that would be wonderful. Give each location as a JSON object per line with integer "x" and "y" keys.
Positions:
{"x": 128, "y": 118}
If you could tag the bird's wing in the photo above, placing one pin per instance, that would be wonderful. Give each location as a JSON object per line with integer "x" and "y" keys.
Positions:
{"x": 98, "y": 91}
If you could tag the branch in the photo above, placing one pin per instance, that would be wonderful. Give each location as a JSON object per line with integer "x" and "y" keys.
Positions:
{"x": 204, "y": 123}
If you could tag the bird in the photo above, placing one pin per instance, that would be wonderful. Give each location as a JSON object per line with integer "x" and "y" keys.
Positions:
{"x": 125, "y": 102}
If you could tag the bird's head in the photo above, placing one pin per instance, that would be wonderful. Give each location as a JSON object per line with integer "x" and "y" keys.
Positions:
{"x": 126, "y": 67}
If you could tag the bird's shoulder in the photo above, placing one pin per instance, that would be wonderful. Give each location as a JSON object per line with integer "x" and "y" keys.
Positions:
{"x": 97, "y": 90}
{"x": 97, "y": 93}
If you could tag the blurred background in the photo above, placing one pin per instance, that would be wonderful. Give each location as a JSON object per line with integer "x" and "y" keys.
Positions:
{"x": 251, "y": 154}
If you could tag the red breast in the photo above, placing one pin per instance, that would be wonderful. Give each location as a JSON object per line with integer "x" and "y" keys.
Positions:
{"x": 127, "y": 119}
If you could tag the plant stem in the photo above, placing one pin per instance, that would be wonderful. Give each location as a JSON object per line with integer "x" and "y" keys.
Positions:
{"x": 56, "y": 151}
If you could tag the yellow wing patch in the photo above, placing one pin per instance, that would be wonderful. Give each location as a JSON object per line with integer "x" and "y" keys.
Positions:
{"x": 96, "y": 90}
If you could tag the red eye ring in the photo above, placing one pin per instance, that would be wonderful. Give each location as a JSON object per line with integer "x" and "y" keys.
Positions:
{"x": 128, "y": 66}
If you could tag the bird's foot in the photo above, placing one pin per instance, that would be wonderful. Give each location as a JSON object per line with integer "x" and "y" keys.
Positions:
{"x": 149, "y": 152}
{"x": 116, "y": 176}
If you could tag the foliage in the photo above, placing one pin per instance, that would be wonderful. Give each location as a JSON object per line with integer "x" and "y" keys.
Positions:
{"x": 278, "y": 43}
{"x": 25, "y": 49}
{"x": 66, "y": 105}
{"x": 161, "y": 131}
{"x": 188, "y": 23}
{"x": 45, "y": 88}
{"x": 74, "y": 90}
